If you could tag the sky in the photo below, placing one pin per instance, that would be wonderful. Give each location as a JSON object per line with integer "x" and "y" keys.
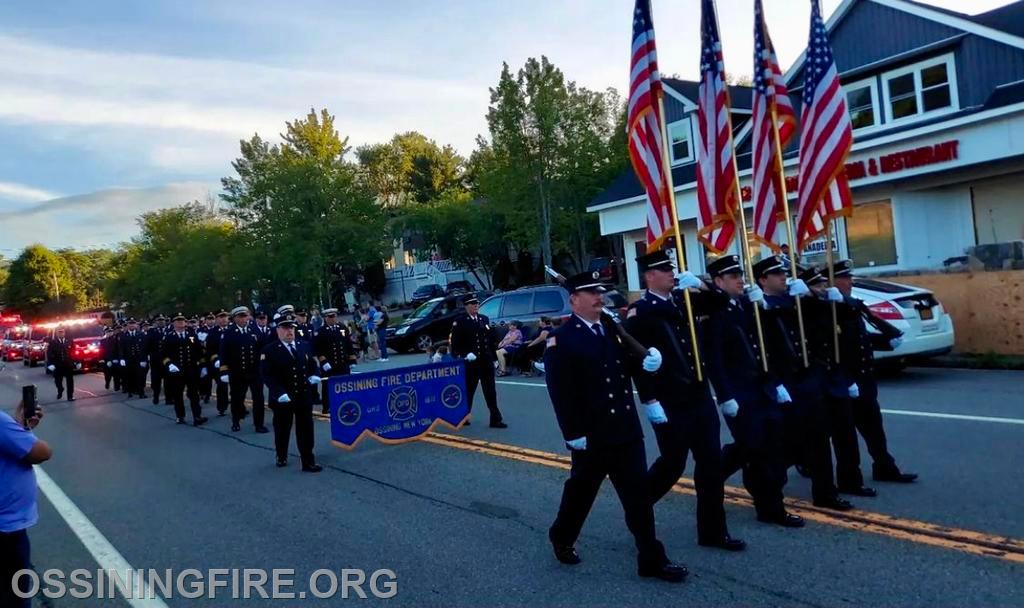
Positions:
{"x": 111, "y": 109}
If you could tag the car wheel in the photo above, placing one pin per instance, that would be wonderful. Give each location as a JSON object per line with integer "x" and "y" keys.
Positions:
{"x": 423, "y": 342}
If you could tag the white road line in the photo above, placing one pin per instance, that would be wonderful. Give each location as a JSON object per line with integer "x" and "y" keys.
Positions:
{"x": 994, "y": 419}
{"x": 107, "y": 557}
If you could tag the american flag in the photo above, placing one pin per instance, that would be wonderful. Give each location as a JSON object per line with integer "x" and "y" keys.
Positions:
{"x": 771, "y": 101}
{"x": 646, "y": 144}
{"x": 717, "y": 196}
{"x": 825, "y": 141}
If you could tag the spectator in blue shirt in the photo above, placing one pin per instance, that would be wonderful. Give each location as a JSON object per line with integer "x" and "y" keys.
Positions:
{"x": 19, "y": 450}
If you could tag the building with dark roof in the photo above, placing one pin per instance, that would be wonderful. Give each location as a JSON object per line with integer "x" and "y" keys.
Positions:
{"x": 937, "y": 100}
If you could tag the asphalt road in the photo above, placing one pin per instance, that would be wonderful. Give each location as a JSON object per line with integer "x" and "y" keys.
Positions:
{"x": 464, "y": 523}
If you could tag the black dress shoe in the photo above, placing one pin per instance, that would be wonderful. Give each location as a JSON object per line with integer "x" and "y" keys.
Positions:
{"x": 894, "y": 476}
{"x": 672, "y": 573}
{"x": 835, "y": 503}
{"x": 861, "y": 491}
{"x": 311, "y": 468}
{"x": 726, "y": 542}
{"x": 566, "y": 554}
{"x": 71, "y": 399}
{"x": 156, "y": 400}
{"x": 60, "y": 395}
{"x": 179, "y": 421}
{"x": 235, "y": 427}
{"x": 499, "y": 425}
{"x": 786, "y": 520}
{"x": 220, "y": 414}
{"x": 200, "y": 421}
{"x": 282, "y": 463}
{"x": 262, "y": 429}
{"x": 142, "y": 395}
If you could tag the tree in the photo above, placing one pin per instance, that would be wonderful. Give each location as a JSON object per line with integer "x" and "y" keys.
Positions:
{"x": 463, "y": 230}
{"x": 410, "y": 169}
{"x": 553, "y": 146}
{"x": 39, "y": 282}
{"x": 91, "y": 271}
{"x": 301, "y": 211}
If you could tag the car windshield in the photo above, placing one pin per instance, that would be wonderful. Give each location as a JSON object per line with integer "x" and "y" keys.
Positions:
{"x": 425, "y": 290}
{"x": 17, "y": 333}
{"x": 38, "y": 333}
{"x": 87, "y": 330}
{"x": 424, "y": 310}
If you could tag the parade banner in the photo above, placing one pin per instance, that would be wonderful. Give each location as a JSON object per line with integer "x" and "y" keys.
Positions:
{"x": 397, "y": 405}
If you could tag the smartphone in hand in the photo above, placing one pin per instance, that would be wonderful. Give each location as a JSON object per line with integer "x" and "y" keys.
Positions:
{"x": 28, "y": 397}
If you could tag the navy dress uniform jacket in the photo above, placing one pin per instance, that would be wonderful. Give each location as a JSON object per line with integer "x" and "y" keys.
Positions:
{"x": 285, "y": 374}
{"x": 588, "y": 380}
{"x": 59, "y": 355}
{"x": 473, "y": 336}
{"x": 239, "y": 352}
{"x": 733, "y": 352}
{"x": 333, "y": 345}
{"x": 186, "y": 353}
{"x": 133, "y": 348}
{"x": 857, "y": 345}
{"x": 662, "y": 324}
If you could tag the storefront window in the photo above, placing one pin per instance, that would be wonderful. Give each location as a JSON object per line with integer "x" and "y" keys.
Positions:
{"x": 870, "y": 236}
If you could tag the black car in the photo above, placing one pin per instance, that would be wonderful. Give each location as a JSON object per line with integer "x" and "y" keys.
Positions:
{"x": 424, "y": 293}
{"x": 455, "y": 287}
{"x": 429, "y": 324}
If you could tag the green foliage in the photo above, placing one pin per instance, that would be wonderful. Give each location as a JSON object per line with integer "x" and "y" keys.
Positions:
{"x": 301, "y": 211}
{"x": 91, "y": 270}
{"x": 39, "y": 282}
{"x": 410, "y": 169}
{"x": 181, "y": 261}
{"x": 553, "y": 146}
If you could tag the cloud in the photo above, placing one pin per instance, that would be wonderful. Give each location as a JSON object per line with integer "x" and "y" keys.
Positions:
{"x": 98, "y": 219}
{"x": 21, "y": 192}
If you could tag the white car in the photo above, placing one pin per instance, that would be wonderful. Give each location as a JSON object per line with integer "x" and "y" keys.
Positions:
{"x": 927, "y": 328}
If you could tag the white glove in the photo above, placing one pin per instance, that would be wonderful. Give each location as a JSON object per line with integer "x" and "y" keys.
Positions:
{"x": 797, "y": 287}
{"x": 652, "y": 362}
{"x": 655, "y": 413}
{"x": 755, "y": 294}
{"x": 110, "y": 363}
{"x": 202, "y": 336}
{"x": 173, "y": 368}
{"x": 854, "y": 391}
{"x": 284, "y": 398}
{"x": 143, "y": 364}
{"x": 327, "y": 366}
{"x": 123, "y": 364}
{"x": 471, "y": 357}
{"x": 216, "y": 363}
{"x": 224, "y": 379}
{"x": 203, "y": 373}
{"x": 51, "y": 367}
{"x": 314, "y": 379}
{"x": 730, "y": 408}
{"x": 832, "y": 294}
{"x": 895, "y": 343}
{"x": 78, "y": 366}
{"x": 687, "y": 280}
{"x": 782, "y": 395}
{"x": 577, "y": 444}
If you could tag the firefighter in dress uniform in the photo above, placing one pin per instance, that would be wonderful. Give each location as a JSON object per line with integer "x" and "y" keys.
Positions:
{"x": 133, "y": 359}
{"x": 333, "y": 349}
{"x": 678, "y": 405}
{"x": 857, "y": 348}
{"x": 588, "y": 381}
{"x": 239, "y": 369}
{"x": 749, "y": 398}
{"x": 472, "y": 340}
{"x": 289, "y": 370}
{"x": 183, "y": 360}
{"x": 806, "y": 418}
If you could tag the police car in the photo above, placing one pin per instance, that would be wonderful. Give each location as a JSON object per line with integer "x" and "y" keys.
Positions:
{"x": 927, "y": 328}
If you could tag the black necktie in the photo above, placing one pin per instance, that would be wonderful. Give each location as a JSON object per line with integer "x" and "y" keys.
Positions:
{"x": 598, "y": 330}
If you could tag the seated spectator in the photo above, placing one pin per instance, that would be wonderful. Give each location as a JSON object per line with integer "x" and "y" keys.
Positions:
{"x": 512, "y": 341}
{"x": 534, "y": 349}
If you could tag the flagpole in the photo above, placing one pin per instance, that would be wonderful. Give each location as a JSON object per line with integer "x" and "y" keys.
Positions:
{"x": 745, "y": 246}
{"x": 789, "y": 227}
{"x": 680, "y": 254}
{"x": 831, "y": 283}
